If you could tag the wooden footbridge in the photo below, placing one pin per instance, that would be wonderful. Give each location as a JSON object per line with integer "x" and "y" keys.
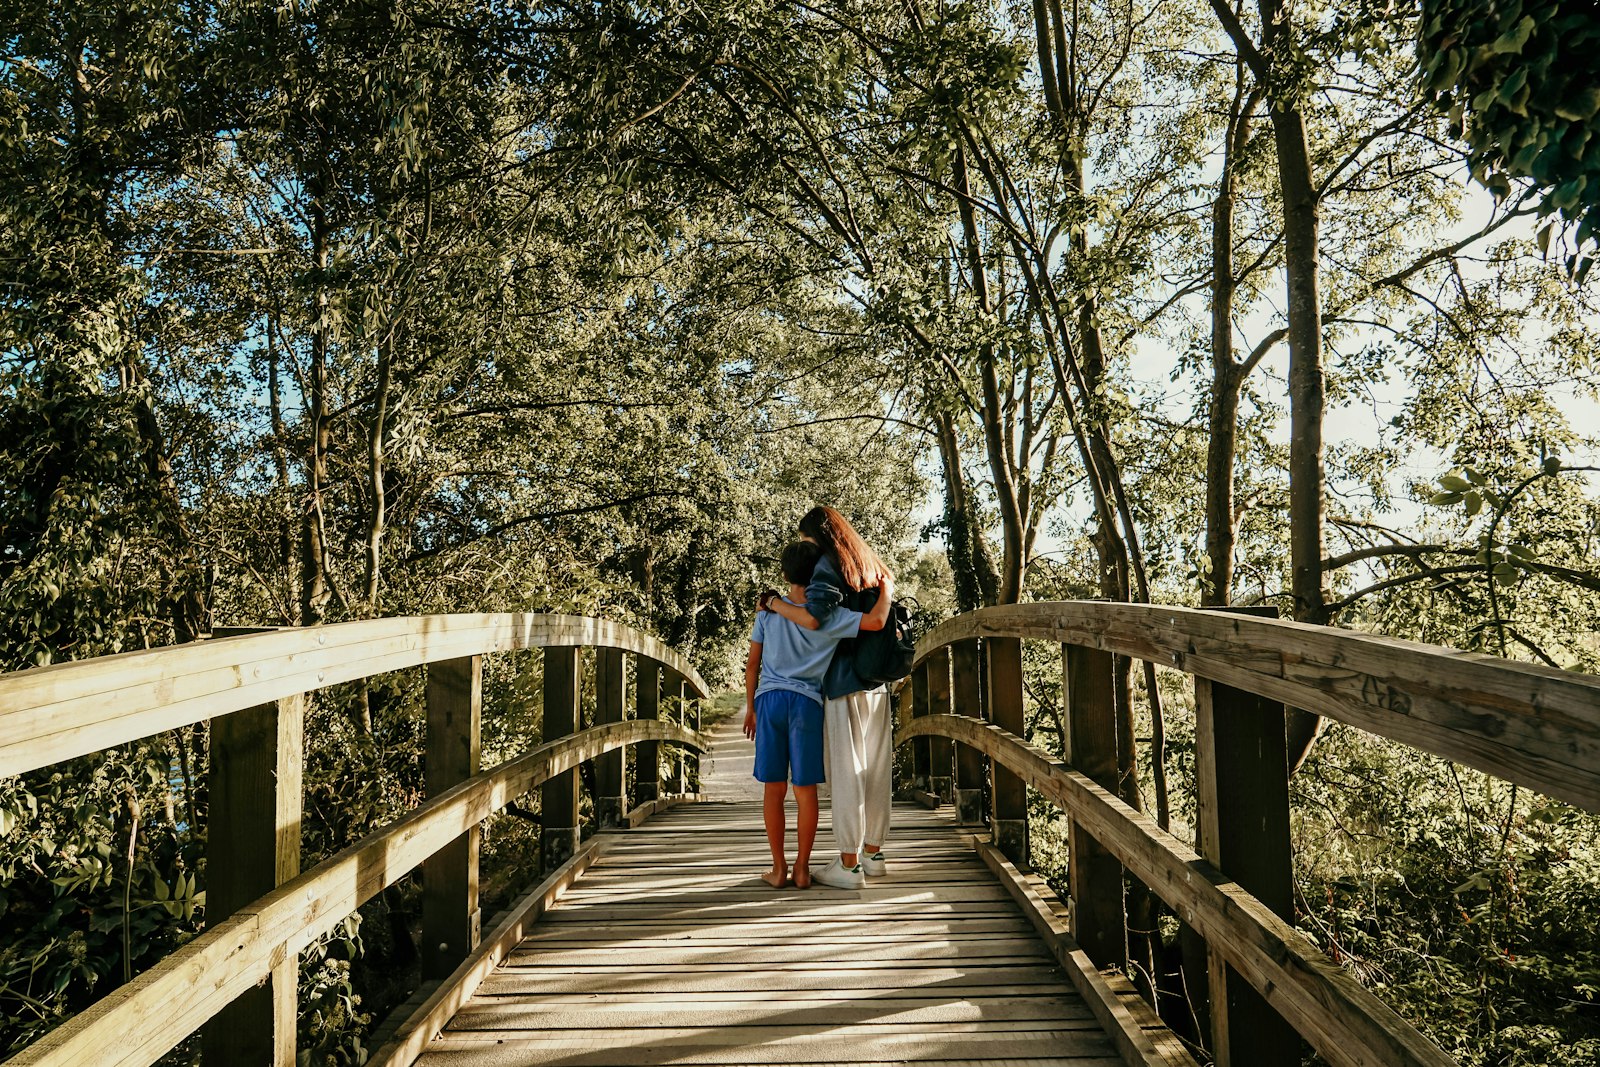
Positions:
{"x": 650, "y": 941}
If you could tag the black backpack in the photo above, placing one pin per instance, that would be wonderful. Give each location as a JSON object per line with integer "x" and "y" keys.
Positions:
{"x": 883, "y": 655}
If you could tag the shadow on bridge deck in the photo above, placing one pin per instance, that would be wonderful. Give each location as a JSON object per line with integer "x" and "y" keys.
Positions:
{"x": 670, "y": 949}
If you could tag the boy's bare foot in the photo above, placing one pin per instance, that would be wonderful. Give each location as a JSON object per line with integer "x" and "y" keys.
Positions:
{"x": 778, "y": 877}
{"x": 802, "y": 876}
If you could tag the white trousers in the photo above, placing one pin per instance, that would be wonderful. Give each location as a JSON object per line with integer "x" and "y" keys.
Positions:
{"x": 858, "y": 752}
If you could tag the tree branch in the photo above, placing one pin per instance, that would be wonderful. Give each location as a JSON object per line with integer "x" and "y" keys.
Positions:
{"x": 543, "y": 516}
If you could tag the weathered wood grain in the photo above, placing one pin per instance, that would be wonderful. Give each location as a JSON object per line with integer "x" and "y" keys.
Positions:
{"x": 253, "y": 846}
{"x": 53, "y": 713}
{"x": 1119, "y": 1023}
{"x": 1524, "y": 722}
{"x": 1095, "y": 876}
{"x": 940, "y": 967}
{"x": 141, "y": 1021}
{"x": 455, "y": 989}
{"x": 450, "y": 918}
{"x": 1003, "y": 698}
{"x": 1344, "y": 1022}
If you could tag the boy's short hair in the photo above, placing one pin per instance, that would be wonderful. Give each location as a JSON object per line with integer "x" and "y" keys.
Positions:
{"x": 798, "y": 561}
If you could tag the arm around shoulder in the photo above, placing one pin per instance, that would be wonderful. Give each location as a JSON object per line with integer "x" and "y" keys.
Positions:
{"x": 825, "y": 593}
{"x": 878, "y": 617}
{"x": 795, "y": 613}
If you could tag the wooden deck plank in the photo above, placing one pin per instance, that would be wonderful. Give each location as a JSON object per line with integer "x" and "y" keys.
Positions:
{"x": 516, "y": 1014}
{"x": 671, "y": 951}
{"x": 534, "y": 980}
{"x": 960, "y": 929}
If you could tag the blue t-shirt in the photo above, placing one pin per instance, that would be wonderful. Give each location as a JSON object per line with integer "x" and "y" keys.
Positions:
{"x": 795, "y": 658}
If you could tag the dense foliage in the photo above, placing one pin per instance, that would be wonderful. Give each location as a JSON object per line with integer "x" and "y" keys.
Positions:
{"x": 322, "y": 312}
{"x": 1522, "y": 83}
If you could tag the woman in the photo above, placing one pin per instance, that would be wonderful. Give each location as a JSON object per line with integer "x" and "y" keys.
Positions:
{"x": 858, "y": 720}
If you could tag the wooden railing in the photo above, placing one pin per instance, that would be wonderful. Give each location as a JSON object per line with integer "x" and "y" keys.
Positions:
{"x": 236, "y": 981}
{"x": 963, "y": 715}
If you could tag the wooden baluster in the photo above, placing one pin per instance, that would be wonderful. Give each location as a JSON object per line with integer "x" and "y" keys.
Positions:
{"x": 691, "y": 757}
{"x": 966, "y": 698}
{"x": 450, "y": 916}
{"x": 253, "y": 846}
{"x": 920, "y": 749}
{"x": 1242, "y": 787}
{"x": 941, "y": 750}
{"x": 672, "y": 690}
{"x": 1094, "y": 876}
{"x": 901, "y": 708}
{"x": 1009, "y": 797}
{"x": 558, "y": 797}
{"x": 646, "y": 754}
{"x": 610, "y": 686}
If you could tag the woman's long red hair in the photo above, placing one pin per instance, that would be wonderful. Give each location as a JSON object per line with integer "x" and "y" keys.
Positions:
{"x": 858, "y": 563}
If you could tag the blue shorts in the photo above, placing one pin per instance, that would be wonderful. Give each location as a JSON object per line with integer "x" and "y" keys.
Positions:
{"x": 788, "y": 738}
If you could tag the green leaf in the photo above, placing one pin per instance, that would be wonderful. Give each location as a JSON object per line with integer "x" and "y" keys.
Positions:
{"x": 1506, "y": 573}
{"x": 1567, "y": 195}
{"x": 1513, "y": 39}
{"x": 1455, "y": 483}
{"x": 1445, "y": 498}
{"x": 1474, "y": 503}
{"x": 1580, "y": 105}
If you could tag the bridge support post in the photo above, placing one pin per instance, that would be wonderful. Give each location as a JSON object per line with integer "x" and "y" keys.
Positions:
{"x": 941, "y": 754}
{"x": 558, "y": 797}
{"x": 646, "y": 754}
{"x": 450, "y": 916}
{"x": 672, "y": 689}
{"x": 253, "y": 846}
{"x": 966, "y": 695}
{"x": 1242, "y": 780}
{"x": 1093, "y": 874}
{"x": 610, "y": 698}
{"x": 691, "y": 719}
{"x": 920, "y": 747}
{"x": 1009, "y": 819}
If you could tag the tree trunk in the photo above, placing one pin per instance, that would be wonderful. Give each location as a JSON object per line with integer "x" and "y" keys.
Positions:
{"x": 314, "y": 592}
{"x": 186, "y": 604}
{"x": 280, "y": 463}
{"x": 1301, "y": 226}
{"x": 996, "y": 426}
{"x": 1227, "y": 377}
{"x": 1121, "y": 567}
{"x": 377, "y": 510}
{"x": 976, "y": 582}
{"x": 1271, "y": 63}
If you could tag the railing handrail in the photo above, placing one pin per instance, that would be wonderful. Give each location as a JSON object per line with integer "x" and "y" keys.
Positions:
{"x": 1526, "y": 723}
{"x": 1342, "y": 1020}
{"x": 141, "y": 1021}
{"x": 49, "y": 714}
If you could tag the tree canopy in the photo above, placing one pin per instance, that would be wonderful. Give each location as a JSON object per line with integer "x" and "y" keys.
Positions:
{"x": 317, "y": 312}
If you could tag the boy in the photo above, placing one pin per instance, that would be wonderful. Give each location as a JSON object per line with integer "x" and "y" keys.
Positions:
{"x": 783, "y": 712}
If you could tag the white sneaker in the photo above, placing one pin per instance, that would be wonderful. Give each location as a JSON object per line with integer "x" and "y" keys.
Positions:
{"x": 837, "y": 875}
{"x": 873, "y": 865}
